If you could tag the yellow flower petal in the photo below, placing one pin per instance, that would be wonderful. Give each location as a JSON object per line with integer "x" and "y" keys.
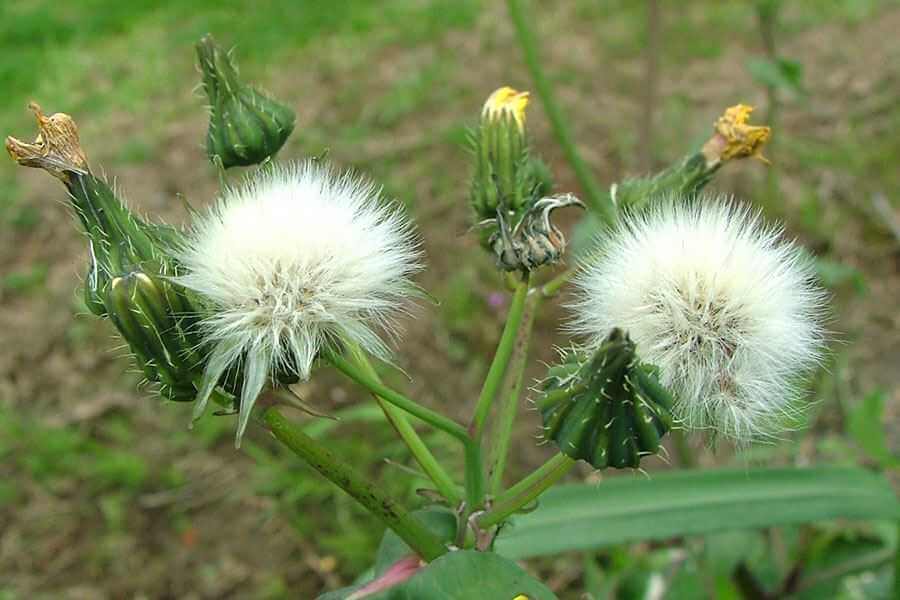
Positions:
{"x": 506, "y": 100}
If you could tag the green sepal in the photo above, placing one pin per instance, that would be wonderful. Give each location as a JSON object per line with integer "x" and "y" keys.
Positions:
{"x": 246, "y": 126}
{"x": 507, "y": 176}
{"x": 606, "y": 408}
{"x": 686, "y": 178}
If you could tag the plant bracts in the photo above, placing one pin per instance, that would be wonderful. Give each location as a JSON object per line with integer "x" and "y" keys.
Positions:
{"x": 605, "y": 408}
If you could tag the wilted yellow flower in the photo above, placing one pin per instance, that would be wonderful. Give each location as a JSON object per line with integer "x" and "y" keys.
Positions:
{"x": 506, "y": 101}
{"x": 56, "y": 148}
{"x": 734, "y": 138}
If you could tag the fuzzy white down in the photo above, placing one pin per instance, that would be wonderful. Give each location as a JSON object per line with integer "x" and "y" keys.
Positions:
{"x": 729, "y": 312}
{"x": 297, "y": 257}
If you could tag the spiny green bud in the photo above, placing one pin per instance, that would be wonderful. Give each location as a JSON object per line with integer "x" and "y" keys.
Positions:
{"x": 140, "y": 306}
{"x": 605, "y": 408}
{"x": 245, "y": 126}
{"x": 732, "y": 139}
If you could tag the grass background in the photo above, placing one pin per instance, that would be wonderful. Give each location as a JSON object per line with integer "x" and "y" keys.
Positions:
{"x": 103, "y": 492}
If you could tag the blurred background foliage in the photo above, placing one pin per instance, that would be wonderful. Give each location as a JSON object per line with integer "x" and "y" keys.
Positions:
{"x": 103, "y": 491}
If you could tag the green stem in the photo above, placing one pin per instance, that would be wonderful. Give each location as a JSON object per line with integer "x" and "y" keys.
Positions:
{"x": 501, "y": 359}
{"x": 897, "y": 564}
{"x": 526, "y": 490}
{"x": 474, "y": 476}
{"x": 596, "y": 199}
{"x": 431, "y": 417}
{"x": 408, "y": 528}
{"x": 510, "y": 403}
{"x": 474, "y": 466}
{"x": 552, "y": 287}
{"x": 429, "y": 464}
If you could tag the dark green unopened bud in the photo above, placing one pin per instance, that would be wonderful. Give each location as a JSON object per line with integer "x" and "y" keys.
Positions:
{"x": 245, "y": 126}
{"x": 606, "y": 408}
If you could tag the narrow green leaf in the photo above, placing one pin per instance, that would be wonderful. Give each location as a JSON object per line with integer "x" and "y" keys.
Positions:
{"x": 781, "y": 73}
{"x": 579, "y": 517}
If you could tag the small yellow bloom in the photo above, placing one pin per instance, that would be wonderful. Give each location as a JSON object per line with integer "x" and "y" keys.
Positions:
{"x": 506, "y": 101}
{"x": 737, "y": 139}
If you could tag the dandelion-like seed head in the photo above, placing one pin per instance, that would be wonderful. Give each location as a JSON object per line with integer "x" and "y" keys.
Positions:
{"x": 296, "y": 258}
{"x": 729, "y": 312}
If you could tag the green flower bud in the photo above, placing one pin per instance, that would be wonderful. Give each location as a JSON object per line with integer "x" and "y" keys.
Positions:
{"x": 140, "y": 308}
{"x": 506, "y": 178}
{"x": 130, "y": 262}
{"x": 245, "y": 126}
{"x": 605, "y": 408}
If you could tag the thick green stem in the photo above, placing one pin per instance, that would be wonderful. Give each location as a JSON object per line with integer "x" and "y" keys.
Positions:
{"x": 431, "y": 417}
{"x": 509, "y": 406}
{"x": 501, "y": 359}
{"x": 527, "y": 490}
{"x": 370, "y": 496}
{"x": 596, "y": 199}
{"x": 429, "y": 464}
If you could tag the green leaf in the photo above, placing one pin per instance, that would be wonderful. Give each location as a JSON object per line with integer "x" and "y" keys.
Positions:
{"x": 462, "y": 574}
{"x": 781, "y": 73}
{"x": 579, "y": 517}
{"x": 864, "y": 424}
{"x": 834, "y": 274}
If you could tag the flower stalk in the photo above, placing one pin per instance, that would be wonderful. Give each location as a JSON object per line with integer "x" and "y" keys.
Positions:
{"x": 435, "y": 419}
{"x": 501, "y": 358}
{"x": 527, "y": 490}
{"x": 386, "y": 509}
{"x": 474, "y": 466}
{"x": 510, "y": 402}
{"x": 420, "y": 452}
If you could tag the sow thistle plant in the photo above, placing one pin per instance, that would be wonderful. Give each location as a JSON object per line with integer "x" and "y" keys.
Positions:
{"x": 690, "y": 311}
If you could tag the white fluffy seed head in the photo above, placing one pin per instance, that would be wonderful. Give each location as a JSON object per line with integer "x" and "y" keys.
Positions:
{"x": 729, "y": 312}
{"x": 297, "y": 257}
